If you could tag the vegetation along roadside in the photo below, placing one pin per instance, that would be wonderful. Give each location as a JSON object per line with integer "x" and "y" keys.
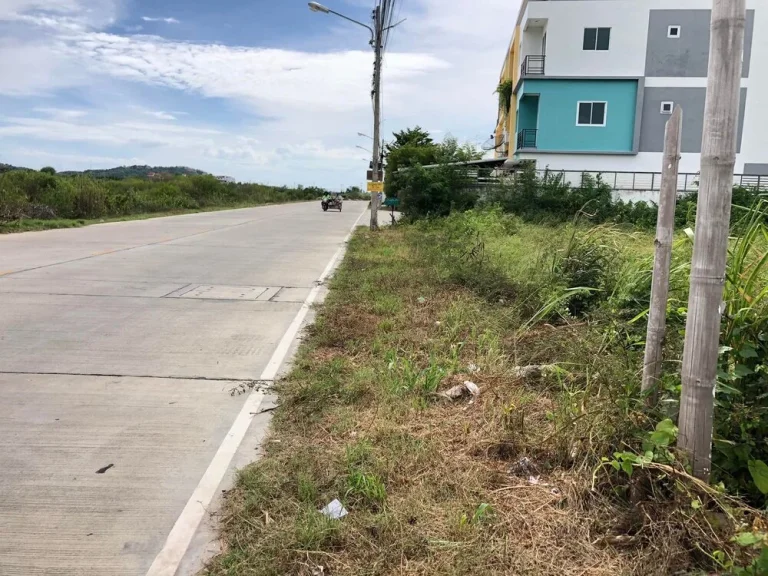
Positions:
{"x": 551, "y": 465}
{"x": 31, "y": 200}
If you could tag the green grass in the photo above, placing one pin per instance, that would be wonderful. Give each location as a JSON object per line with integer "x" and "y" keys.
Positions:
{"x": 36, "y": 225}
{"x": 432, "y": 486}
{"x": 32, "y": 225}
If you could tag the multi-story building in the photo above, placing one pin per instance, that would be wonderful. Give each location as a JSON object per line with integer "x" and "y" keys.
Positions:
{"x": 594, "y": 82}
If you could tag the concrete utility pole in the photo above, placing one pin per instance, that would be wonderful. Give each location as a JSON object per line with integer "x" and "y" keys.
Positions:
{"x": 713, "y": 214}
{"x": 665, "y": 231}
{"x": 377, "y": 49}
{"x": 382, "y": 24}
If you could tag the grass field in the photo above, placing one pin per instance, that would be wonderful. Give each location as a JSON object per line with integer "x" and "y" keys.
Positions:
{"x": 509, "y": 482}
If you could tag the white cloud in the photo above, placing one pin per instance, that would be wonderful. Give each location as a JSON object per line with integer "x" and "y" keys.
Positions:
{"x": 9, "y": 8}
{"x": 441, "y": 70}
{"x": 166, "y": 20}
{"x": 276, "y": 78}
{"x": 61, "y": 113}
{"x": 116, "y": 133}
{"x": 160, "y": 115}
{"x": 79, "y": 161}
{"x": 61, "y": 14}
{"x": 169, "y": 144}
{"x": 35, "y": 67}
{"x": 157, "y": 114}
{"x": 57, "y": 23}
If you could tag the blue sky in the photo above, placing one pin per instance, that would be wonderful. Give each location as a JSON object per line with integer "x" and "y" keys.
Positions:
{"x": 262, "y": 90}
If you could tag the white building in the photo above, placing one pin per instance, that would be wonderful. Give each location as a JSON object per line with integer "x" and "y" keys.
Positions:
{"x": 594, "y": 82}
{"x": 226, "y": 179}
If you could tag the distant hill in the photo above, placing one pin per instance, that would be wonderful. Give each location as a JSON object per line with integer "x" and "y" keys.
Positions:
{"x": 123, "y": 172}
{"x": 8, "y": 168}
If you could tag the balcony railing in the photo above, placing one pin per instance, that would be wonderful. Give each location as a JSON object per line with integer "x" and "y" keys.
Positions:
{"x": 533, "y": 66}
{"x": 526, "y": 138}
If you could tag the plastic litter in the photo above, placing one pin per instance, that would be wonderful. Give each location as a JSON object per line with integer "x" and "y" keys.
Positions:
{"x": 334, "y": 510}
{"x": 523, "y": 467}
{"x": 466, "y": 389}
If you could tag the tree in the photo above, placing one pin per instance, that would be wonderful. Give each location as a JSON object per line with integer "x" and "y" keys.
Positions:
{"x": 439, "y": 190}
{"x": 410, "y": 147}
{"x": 48, "y": 170}
{"x": 416, "y": 136}
{"x": 354, "y": 193}
{"x": 451, "y": 151}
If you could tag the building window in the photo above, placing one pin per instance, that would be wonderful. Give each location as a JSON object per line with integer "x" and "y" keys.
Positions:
{"x": 591, "y": 113}
{"x": 597, "y": 38}
{"x": 667, "y": 107}
{"x": 674, "y": 31}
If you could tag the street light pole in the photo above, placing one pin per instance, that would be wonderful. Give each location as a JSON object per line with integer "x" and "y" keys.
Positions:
{"x": 377, "y": 42}
{"x": 377, "y": 48}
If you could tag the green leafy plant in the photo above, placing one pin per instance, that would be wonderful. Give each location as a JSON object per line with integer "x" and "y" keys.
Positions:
{"x": 741, "y": 416}
{"x": 757, "y": 567}
{"x": 482, "y": 514}
{"x": 367, "y": 487}
{"x": 505, "y": 90}
{"x": 655, "y": 449}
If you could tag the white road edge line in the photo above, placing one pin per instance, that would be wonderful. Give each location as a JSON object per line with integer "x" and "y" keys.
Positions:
{"x": 167, "y": 562}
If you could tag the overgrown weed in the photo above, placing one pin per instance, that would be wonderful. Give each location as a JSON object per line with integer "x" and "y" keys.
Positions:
{"x": 512, "y": 482}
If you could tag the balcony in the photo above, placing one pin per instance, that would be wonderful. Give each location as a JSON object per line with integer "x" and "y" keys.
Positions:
{"x": 526, "y": 139}
{"x": 533, "y": 66}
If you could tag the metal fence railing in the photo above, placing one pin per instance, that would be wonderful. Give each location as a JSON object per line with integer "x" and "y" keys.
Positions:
{"x": 648, "y": 181}
{"x": 533, "y": 66}
{"x": 526, "y": 138}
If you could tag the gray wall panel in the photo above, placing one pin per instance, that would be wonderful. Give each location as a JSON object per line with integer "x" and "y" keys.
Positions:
{"x": 756, "y": 169}
{"x": 687, "y": 56}
{"x": 692, "y": 100}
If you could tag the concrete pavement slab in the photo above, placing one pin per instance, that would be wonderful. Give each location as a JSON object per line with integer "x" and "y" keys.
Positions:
{"x": 58, "y": 515}
{"x": 100, "y": 364}
{"x": 170, "y": 337}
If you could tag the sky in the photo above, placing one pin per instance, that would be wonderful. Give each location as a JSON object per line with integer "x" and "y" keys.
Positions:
{"x": 261, "y": 90}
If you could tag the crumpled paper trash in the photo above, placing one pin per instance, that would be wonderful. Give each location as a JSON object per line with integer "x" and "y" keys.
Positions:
{"x": 334, "y": 510}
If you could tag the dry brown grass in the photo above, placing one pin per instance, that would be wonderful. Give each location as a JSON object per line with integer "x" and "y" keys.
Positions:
{"x": 441, "y": 487}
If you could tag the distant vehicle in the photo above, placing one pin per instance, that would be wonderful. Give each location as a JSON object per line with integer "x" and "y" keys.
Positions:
{"x": 226, "y": 179}
{"x": 333, "y": 200}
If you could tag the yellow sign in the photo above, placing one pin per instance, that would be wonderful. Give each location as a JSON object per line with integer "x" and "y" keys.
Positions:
{"x": 375, "y": 186}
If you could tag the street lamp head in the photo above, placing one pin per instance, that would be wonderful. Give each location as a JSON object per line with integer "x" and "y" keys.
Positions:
{"x": 317, "y": 7}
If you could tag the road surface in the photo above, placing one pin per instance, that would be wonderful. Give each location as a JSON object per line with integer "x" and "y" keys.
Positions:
{"x": 119, "y": 346}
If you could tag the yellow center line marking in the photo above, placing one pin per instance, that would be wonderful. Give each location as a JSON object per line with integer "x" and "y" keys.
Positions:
{"x": 102, "y": 252}
{"x": 4, "y": 272}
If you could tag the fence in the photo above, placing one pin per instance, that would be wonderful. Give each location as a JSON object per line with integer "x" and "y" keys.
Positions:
{"x": 649, "y": 181}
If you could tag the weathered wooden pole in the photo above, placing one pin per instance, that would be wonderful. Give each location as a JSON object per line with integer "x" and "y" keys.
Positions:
{"x": 713, "y": 213}
{"x": 665, "y": 231}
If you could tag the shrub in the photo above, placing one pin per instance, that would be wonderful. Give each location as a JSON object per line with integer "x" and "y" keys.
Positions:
{"x": 435, "y": 192}
{"x": 45, "y": 195}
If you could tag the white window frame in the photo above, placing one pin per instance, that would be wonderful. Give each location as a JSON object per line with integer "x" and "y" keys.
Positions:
{"x": 605, "y": 114}
{"x": 671, "y": 107}
{"x": 679, "y": 31}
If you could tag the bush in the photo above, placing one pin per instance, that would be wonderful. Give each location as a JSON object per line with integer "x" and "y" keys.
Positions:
{"x": 548, "y": 198}
{"x": 435, "y": 192}
{"x": 26, "y": 194}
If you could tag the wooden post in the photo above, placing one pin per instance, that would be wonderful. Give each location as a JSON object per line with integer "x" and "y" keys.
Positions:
{"x": 718, "y": 158}
{"x": 665, "y": 231}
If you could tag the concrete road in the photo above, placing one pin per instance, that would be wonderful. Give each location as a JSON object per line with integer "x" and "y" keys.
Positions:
{"x": 119, "y": 345}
